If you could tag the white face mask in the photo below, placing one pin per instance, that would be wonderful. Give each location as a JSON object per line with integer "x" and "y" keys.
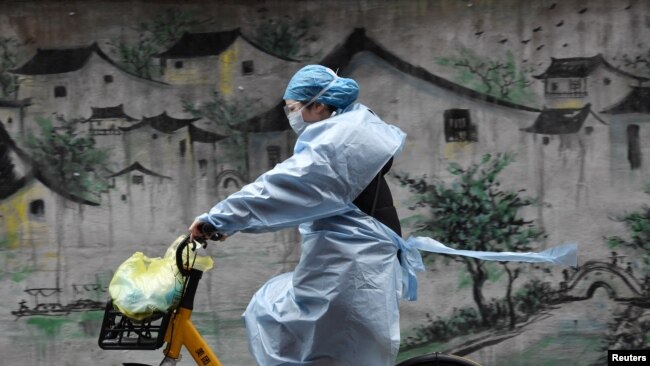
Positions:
{"x": 296, "y": 121}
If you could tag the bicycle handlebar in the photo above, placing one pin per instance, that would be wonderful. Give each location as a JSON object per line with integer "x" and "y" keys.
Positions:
{"x": 208, "y": 234}
{"x": 179, "y": 256}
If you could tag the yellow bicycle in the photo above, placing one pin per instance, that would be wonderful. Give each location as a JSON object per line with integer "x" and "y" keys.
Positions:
{"x": 175, "y": 329}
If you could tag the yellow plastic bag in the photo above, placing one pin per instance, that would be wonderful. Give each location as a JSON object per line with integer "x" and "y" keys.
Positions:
{"x": 142, "y": 286}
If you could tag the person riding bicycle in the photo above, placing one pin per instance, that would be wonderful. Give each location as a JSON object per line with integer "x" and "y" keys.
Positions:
{"x": 340, "y": 304}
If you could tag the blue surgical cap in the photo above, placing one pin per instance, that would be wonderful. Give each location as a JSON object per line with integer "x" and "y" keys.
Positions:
{"x": 312, "y": 79}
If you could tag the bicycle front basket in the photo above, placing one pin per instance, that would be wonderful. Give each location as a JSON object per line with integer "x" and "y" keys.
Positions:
{"x": 120, "y": 332}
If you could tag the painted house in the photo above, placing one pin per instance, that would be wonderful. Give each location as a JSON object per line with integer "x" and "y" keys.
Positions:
{"x": 176, "y": 148}
{"x": 107, "y": 121}
{"x": 12, "y": 115}
{"x": 68, "y": 81}
{"x": 629, "y": 136}
{"x": 575, "y": 81}
{"x": 141, "y": 200}
{"x": 574, "y": 134}
{"x": 227, "y": 62}
{"x": 35, "y": 214}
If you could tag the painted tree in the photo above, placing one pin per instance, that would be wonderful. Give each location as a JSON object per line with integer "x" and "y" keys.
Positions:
{"x": 154, "y": 36}
{"x": 501, "y": 77}
{"x": 475, "y": 213}
{"x": 8, "y": 61}
{"x": 286, "y": 36}
{"x": 71, "y": 160}
{"x": 228, "y": 115}
{"x": 8, "y": 179}
{"x": 636, "y": 63}
{"x": 638, "y": 225}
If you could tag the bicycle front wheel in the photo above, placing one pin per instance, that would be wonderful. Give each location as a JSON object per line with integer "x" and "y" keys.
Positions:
{"x": 438, "y": 359}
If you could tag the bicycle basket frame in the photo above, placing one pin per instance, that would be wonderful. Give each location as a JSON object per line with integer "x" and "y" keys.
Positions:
{"x": 119, "y": 332}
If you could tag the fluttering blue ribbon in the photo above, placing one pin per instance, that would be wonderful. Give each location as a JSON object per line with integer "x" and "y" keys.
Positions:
{"x": 411, "y": 259}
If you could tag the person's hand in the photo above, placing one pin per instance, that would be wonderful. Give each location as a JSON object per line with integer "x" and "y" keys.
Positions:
{"x": 200, "y": 230}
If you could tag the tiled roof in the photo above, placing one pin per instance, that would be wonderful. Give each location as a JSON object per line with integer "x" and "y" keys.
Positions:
{"x": 559, "y": 121}
{"x": 162, "y": 122}
{"x": 201, "y": 135}
{"x": 138, "y": 167}
{"x": 580, "y": 67}
{"x": 637, "y": 101}
{"x": 110, "y": 112}
{"x": 57, "y": 60}
{"x": 192, "y": 45}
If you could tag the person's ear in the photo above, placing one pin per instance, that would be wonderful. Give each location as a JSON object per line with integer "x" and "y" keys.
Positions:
{"x": 322, "y": 109}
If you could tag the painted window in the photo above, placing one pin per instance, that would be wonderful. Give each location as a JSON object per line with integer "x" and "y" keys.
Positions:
{"x": 247, "y": 67}
{"x": 576, "y": 87}
{"x": 459, "y": 127}
{"x": 273, "y": 153}
{"x": 230, "y": 182}
{"x": 566, "y": 87}
{"x": 182, "y": 148}
{"x": 633, "y": 147}
{"x": 37, "y": 209}
{"x": 108, "y": 79}
{"x": 60, "y": 92}
{"x": 137, "y": 179}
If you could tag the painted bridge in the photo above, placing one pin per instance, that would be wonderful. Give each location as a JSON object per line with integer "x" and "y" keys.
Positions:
{"x": 619, "y": 282}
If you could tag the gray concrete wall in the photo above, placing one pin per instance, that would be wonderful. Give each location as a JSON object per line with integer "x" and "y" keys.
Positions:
{"x": 411, "y": 60}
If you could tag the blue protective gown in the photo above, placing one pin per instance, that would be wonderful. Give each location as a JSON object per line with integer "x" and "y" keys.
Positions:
{"x": 340, "y": 306}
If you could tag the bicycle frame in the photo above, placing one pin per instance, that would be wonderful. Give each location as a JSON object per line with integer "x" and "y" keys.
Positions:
{"x": 181, "y": 331}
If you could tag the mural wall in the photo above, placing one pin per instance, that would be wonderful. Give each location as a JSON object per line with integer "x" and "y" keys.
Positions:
{"x": 528, "y": 126}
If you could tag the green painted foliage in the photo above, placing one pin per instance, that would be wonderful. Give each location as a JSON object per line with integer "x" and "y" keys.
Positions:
{"x": 638, "y": 232}
{"x": 8, "y": 61}
{"x": 473, "y": 212}
{"x": 228, "y": 115}
{"x": 69, "y": 159}
{"x": 501, "y": 77}
{"x": 286, "y": 36}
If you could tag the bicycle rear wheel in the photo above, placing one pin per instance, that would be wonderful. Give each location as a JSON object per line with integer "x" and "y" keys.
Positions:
{"x": 438, "y": 359}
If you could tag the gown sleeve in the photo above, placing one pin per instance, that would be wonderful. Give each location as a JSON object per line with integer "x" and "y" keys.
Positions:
{"x": 332, "y": 162}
